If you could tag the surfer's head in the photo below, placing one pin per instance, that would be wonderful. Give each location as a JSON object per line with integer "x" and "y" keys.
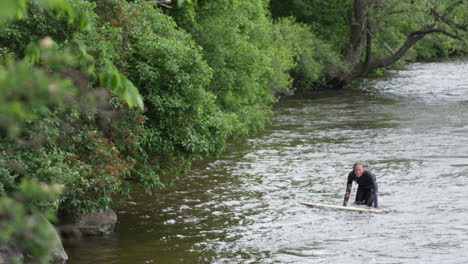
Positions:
{"x": 358, "y": 169}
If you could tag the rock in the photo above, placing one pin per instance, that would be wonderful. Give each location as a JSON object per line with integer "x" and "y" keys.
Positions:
{"x": 98, "y": 223}
{"x": 59, "y": 255}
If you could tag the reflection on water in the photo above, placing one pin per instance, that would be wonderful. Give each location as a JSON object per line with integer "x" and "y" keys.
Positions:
{"x": 410, "y": 129}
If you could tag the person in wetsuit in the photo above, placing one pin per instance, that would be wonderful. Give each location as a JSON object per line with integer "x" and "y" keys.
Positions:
{"x": 367, "y": 189}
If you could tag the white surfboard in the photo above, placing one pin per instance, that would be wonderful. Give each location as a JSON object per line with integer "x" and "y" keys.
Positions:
{"x": 339, "y": 207}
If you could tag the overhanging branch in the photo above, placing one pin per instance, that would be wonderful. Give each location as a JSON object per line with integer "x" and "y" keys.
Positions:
{"x": 430, "y": 29}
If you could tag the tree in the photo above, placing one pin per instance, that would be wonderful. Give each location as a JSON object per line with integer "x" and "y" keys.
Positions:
{"x": 369, "y": 20}
{"x": 371, "y": 34}
{"x": 249, "y": 54}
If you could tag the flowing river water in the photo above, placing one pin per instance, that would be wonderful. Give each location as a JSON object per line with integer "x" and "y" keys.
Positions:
{"x": 410, "y": 128}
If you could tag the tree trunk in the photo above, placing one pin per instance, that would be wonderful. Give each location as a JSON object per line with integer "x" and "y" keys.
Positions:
{"x": 352, "y": 54}
{"x": 361, "y": 36}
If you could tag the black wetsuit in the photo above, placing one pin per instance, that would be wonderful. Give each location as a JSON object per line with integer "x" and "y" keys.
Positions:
{"x": 367, "y": 189}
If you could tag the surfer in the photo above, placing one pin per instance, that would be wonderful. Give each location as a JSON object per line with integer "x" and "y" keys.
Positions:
{"x": 367, "y": 189}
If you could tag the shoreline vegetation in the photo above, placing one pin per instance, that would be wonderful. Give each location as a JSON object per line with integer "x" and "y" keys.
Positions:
{"x": 97, "y": 96}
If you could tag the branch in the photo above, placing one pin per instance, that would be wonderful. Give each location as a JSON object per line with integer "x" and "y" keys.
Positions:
{"x": 429, "y": 30}
{"x": 411, "y": 39}
{"x": 453, "y": 6}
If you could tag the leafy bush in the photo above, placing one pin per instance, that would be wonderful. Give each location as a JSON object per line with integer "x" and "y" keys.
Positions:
{"x": 183, "y": 122}
{"x": 249, "y": 57}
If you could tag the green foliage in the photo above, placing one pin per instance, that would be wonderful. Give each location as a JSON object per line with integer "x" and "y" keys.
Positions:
{"x": 392, "y": 21}
{"x": 51, "y": 125}
{"x": 96, "y": 172}
{"x": 315, "y": 60}
{"x": 57, "y": 8}
{"x": 437, "y": 46}
{"x": 183, "y": 121}
{"x": 23, "y": 99}
{"x": 79, "y": 153}
{"x": 119, "y": 84}
{"x": 389, "y": 22}
{"x": 327, "y": 19}
{"x": 236, "y": 43}
{"x": 56, "y": 19}
{"x": 10, "y": 8}
{"x": 248, "y": 55}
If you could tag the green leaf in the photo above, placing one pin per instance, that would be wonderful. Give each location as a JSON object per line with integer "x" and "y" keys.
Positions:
{"x": 121, "y": 87}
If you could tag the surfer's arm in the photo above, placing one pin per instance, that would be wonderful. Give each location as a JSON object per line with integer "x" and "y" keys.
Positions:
{"x": 348, "y": 192}
{"x": 349, "y": 185}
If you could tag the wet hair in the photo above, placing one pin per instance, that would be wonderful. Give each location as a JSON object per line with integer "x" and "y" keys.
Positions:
{"x": 358, "y": 163}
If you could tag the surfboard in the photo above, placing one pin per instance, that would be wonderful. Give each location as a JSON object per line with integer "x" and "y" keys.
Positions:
{"x": 339, "y": 207}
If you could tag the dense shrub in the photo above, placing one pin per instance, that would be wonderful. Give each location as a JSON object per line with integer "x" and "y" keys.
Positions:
{"x": 199, "y": 89}
{"x": 30, "y": 89}
{"x": 183, "y": 122}
{"x": 248, "y": 53}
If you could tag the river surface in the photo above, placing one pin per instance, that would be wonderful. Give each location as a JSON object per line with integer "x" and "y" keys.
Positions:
{"x": 410, "y": 128}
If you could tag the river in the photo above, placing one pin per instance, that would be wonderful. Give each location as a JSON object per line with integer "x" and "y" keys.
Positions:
{"x": 410, "y": 128}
